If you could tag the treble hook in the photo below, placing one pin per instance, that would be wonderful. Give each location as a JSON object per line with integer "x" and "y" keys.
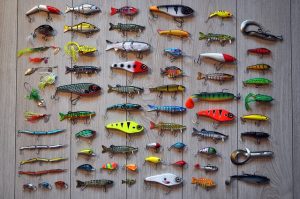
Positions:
{"x": 179, "y": 21}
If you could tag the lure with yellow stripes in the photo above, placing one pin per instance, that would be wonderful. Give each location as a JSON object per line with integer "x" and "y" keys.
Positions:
{"x": 220, "y": 13}
{"x": 129, "y": 127}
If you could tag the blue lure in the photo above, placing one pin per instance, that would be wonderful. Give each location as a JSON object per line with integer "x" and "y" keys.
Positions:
{"x": 177, "y": 145}
{"x": 45, "y": 185}
{"x": 51, "y": 132}
{"x": 174, "y": 52}
{"x": 167, "y": 109}
{"x": 86, "y": 167}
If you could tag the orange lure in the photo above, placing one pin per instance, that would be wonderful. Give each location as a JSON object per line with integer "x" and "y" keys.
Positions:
{"x": 131, "y": 167}
{"x": 177, "y": 33}
{"x": 220, "y": 115}
{"x": 206, "y": 183}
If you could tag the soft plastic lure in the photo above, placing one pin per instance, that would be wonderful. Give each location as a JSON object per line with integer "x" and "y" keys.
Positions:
{"x": 74, "y": 116}
{"x": 86, "y": 152}
{"x": 206, "y": 183}
{"x": 124, "y": 28}
{"x": 163, "y": 126}
{"x": 207, "y": 168}
{"x": 38, "y": 49}
{"x": 255, "y": 134}
{"x": 219, "y": 115}
{"x": 86, "y": 134}
{"x": 259, "y": 67}
{"x": 33, "y": 160}
{"x": 39, "y": 147}
{"x": 131, "y": 167}
{"x": 45, "y": 185}
{"x": 221, "y": 14}
{"x": 83, "y": 27}
{"x": 73, "y": 49}
{"x": 79, "y": 70}
{"x": 172, "y": 72}
{"x": 256, "y": 98}
{"x": 210, "y": 97}
{"x": 259, "y": 51}
{"x": 112, "y": 149}
{"x": 216, "y": 136}
{"x": 258, "y": 81}
{"x": 85, "y": 167}
{"x": 30, "y": 71}
{"x": 220, "y": 57}
{"x": 129, "y": 127}
{"x": 155, "y": 146}
{"x": 209, "y": 151}
{"x": 44, "y": 8}
{"x": 43, "y": 172}
{"x": 177, "y": 33}
{"x": 47, "y": 79}
{"x": 211, "y": 37}
{"x": 51, "y": 132}
{"x": 29, "y": 187}
{"x": 110, "y": 166}
{"x": 44, "y": 30}
{"x": 85, "y": 9}
{"x": 38, "y": 59}
{"x": 33, "y": 117}
{"x": 166, "y": 109}
{"x": 220, "y": 77}
{"x": 178, "y": 146}
{"x": 125, "y": 11}
{"x": 130, "y": 90}
{"x": 61, "y": 185}
{"x": 249, "y": 178}
{"x": 256, "y": 117}
{"x": 94, "y": 183}
{"x": 131, "y": 66}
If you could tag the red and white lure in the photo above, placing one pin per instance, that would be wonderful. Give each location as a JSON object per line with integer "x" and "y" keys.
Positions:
{"x": 44, "y": 8}
{"x": 220, "y": 57}
{"x": 131, "y": 66}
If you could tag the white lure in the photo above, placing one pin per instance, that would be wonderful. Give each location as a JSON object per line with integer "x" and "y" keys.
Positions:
{"x": 135, "y": 46}
{"x": 166, "y": 179}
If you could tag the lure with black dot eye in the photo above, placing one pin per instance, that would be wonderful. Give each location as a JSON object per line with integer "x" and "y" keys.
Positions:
{"x": 129, "y": 127}
{"x": 131, "y": 66}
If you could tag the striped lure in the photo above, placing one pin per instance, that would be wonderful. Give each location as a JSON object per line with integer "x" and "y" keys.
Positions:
{"x": 166, "y": 109}
{"x": 129, "y": 127}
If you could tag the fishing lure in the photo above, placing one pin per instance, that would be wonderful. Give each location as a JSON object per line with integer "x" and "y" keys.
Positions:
{"x": 43, "y": 172}
{"x": 33, "y": 117}
{"x": 51, "y": 132}
{"x": 80, "y": 89}
{"x": 258, "y": 81}
{"x": 131, "y": 167}
{"x": 178, "y": 12}
{"x": 39, "y": 147}
{"x": 256, "y": 98}
{"x": 85, "y": 167}
{"x": 85, "y": 9}
{"x": 216, "y": 136}
{"x": 74, "y": 116}
{"x": 94, "y": 183}
{"x": 78, "y": 70}
{"x": 153, "y": 159}
{"x": 130, "y": 90}
{"x": 125, "y": 107}
{"x": 260, "y": 32}
{"x": 86, "y": 134}
{"x": 206, "y": 183}
{"x": 221, "y": 14}
{"x": 48, "y": 9}
{"x": 221, "y": 77}
{"x": 33, "y": 160}
{"x": 73, "y": 49}
{"x": 209, "y": 151}
{"x": 47, "y": 79}
{"x": 129, "y": 127}
{"x": 207, "y": 168}
{"x": 255, "y": 134}
{"x": 172, "y": 72}
{"x": 256, "y": 117}
{"x": 131, "y": 66}
{"x": 37, "y": 49}
{"x": 156, "y": 146}
{"x": 175, "y": 53}
{"x": 163, "y": 126}
{"x": 45, "y": 185}
{"x": 219, "y": 57}
{"x": 29, "y": 187}
{"x": 124, "y": 28}
{"x": 166, "y": 109}
{"x": 110, "y": 166}
{"x": 169, "y": 88}
{"x": 177, "y": 33}
{"x": 210, "y": 97}
{"x": 39, "y": 59}
{"x": 30, "y": 71}
{"x": 129, "y": 46}
{"x": 259, "y": 51}
{"x": 211, "y": 37}
{"x": 124, "y": 11}
{"x": 129, "y": 181}
{"x": 249, "y": 178}
{"x": 61, "y": 185}
{"x": 259, "y": 67}
{"x": 86, "y": 152}
{"x": 45, "y": 30}
{"x": 178, "y": 146}
{"x": 83, "y": 27}
{"x": 165, "y": 179}
{"x": 180, "y": 163}
{"x": 118, "y": 149}
{"x": 219, "y": 115}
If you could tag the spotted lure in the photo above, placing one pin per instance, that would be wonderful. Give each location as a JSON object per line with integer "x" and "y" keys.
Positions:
{"x": 129, "y": 127}
{"x": 211, "y": 37}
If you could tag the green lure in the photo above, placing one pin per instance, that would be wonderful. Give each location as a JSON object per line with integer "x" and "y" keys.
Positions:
{"x": 87, "y": 133}
{"x": 73, "y": 116}
{"x": 256, "y": 98}
{"x": 259, "y": 81}
{"x": 38, "y": 49}
{"x": 211, "y": 37}
{"x": 34, "y": 94}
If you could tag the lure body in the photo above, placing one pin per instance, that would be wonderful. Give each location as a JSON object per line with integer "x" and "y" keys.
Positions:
{"x": 177, "y": 145}
{"x": 209, "y": 97}
{"x": 164, "y": 126}
{"x": 81, "y": 89}
{"x": 29, "y": 187}
{"x": 176, "y": 33}
{"x": 37, "y": 49}
{"x": 45, "y": 8}
{"x": 210, "y": 134}
{"x": 33, "y": 117}
{"x": 119, "y": 149}
{"x": 168, "y": 88}
{"x": 110, "y": 166}
{"x": 207, "y": 168}
{"x": 220, "y": 13}
{"x": 130, "y": 90}
{"x": 39, "y": 147}
{"x": 256, "y": 117}
{"x": 61, "y": 185}
{"x": 51, "y": 132}
{"x": 83, "y": 27}
{"x": 249, "y": 178}
{"x": 86, "y": 133}
{"x": 129, "y": 181}
{"x": 173, "y": 10}
{"x": 86, "y": 152}
{"x": 131, "y": 167}
{"x": 153, "y": 159}
{"x": 166, "y": 109}
{"x": 259, "y": 51}
{"x": 211, "y": 37}
{"x": 206, "y": 183}
{"x": 47, "y": 79}
{"x": 125, "y": 107}
{"x": 220, "y": 57}
{"x": 126, "y": 10}
{"x": 156, "y": 146}
{"x": 43, "y": 172}
{"x": 45, "y": 30}
{"x": 174, "y": 52}
{"x": 259, "y": 67}
{"x": 131, "y": 66}
{"x": 220, "y": 115}
{"x": 172, "y": 72}
{"x": 78, "y": 70}
{"x": 33, "y": 160}
{"x": 128, "y": 46}
{"x": 38, "y": 59}
{"x": 180, "y": 163}
{"x": 129, "y": 127}
{"x": 221, "y": 77}
{"x": 256, "y": 98}
{"x": 258, "y": 81}
{"x": 45, "y": 185}
{"x": 210, "y": 151}
{"x": 166, "y": 179}
{"x": 76, "y": 115}
{"x": 86, "y": 9}
{"x": 94, "y": 183}
{"x": 126, "y": 27}
{"x": 255, "y": 134}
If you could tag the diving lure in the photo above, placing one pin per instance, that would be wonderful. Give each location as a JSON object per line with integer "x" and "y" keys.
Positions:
{"x": 178, "y": 145}
{"x": 86, "y": 152}
{"x": 216, "y": 136}
{"x": 222, "y": 58}
{"x": 44, "y": 30}
{"x": 74, "y": 116}
{"x": 83, "y": 27}
{"x": 78, "y": 70}
{"x": 125, "y": 11}
{"x": 124, "y": 28}
{"x": 206, "y": 183}
{"x": 86, "y": 134}
{"x": 85, "y": 167}
{"x": 37, "y": 49}
{"x": 259, "y": 51}
{"x": 85, "y": 9}
{"x": 94, "y": 183}
{"x": 44, "y": 8}
{"x": 256, "y": 98}
{"x": 256, "y": 135}
{"x": 129, "y": 127}
{"x": 130, "y": 90}
{"x": 50, "y": 132}
{"x": 166, "y": 109}
{"x": 175, "y": 53}
{"x": 258, "y": 81}
{"x": 73, "y": 49}
{"x": 209, "y": 151}
{"x": 177, "y": 33}
{"x": 249, "y": 178}
{"x": 163, "y": 126}
{"x": 172, "y": 72}
{"x": 131, "y": 66}
{"x": 211, "y": 37}
{"x": 219, "y": 115}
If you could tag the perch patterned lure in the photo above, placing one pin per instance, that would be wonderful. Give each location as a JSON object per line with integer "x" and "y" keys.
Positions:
{"x": 130, "y": 90}
{"x": 73, "y": 116}
{"x": 33, "y": 117}
{"x": 163, "y": 126}
{"x": 258, "y": 81}
{"x": 78, "y": 70}
{"x": 124, "y": 28}
{"x": 126, "y": 11}
{"x": 73, "y": 49}
{"x": 255, "y": 134}
{"x": 206, "y": 183}
{"x": 131, "y": 66}
{"x": 259, "y": 51}
{"x": 129, "y": 127}
{"x": 33, "y": 160}
{"x": 37, "y": 49}
{"x": 94, "y": 183}
{"x": 221, "y": 77}
{"x": 259, "y": 67}
{"x": 43, "y": 172}
{"x": 44, "y": 8}
{"x": 166, "y": 109}
{"x": 85, "y": 9}
{"x": 51, "y": 132}
{"x": 211, "y": 37}
{"x": 177, "y": 33}
{"x": 216, "y": 136}
{"x": 83, "y": 27}
{"x": 256, "y": 98}
{"x": 172, "y": 72}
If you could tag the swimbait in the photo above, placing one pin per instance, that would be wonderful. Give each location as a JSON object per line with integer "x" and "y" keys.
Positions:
{"x": 163, "y": 126}
{"x": 110, "y": 166}
{"x": 85, "y": 167}
{"x": 130, "y": 90}
{"x": 33, "y": 160}
{"x": 46, "y": 80}
{"x": 86, "y": 9}
{"x": 131, "y": 66}
{"x": 211, "y": 37}
{"x": 39, "y": 147}
{"x": 168, "y": 88}
{"x": 45, "y": 185}
{"x": 125, "y": 107}
{"x": 73, "y": 116}
{"x": 48, "y": 9}
{"x": 166, "y": 179}
{"x": 255, "y": 134}
{"x": 78, "y": 70}
{"x": 119, "y": 149}
{"x": 256, "y": 117}
{"x": 222, "y": 58}
{"x": 166, "y": 109}
{"x": 177, "y": 33}
{"x": 86, "y": 152}
{"x": 86, "y": 133}
{"x": 256, "y": 98}
{"x": 73, "y": 49}
{"x": 221, "y": 77}
{"x": 249, "y": 178}
{"x": 51, "y": 132}
{"x": 125, "y": 11}
{"x": 29, "y": 187}
{"x": 172, "y": 72}
{"x": 209, "y": 151}
{"x": 156, "y": 146}
{"x": 178, "y": 146}
{"x": 38, "y": 49}
{"x": 43, "y": 172}
{"x": 83, "y": 27}
{"x": 129, "y": 127}
{"x": 216, "y": 136}
{"x": 129, "y": 46}
{"x": 45, "y": 30}
{"x": 220, "y": 13}
{"x": 61, "y": 185}
{"x": 259, "y": 81}
{"x": 124, "y": 28}
{"x": 220, "y": 115}
{"x": 33, "y": 117}
{"x": 129, "y": 181}
{"x": 259, "y": 67}
{"x": 259, "y": 51}
{"x": 207, "y": 168}
{"x": 206, "y": 183}
{"x": 94, "y": 183}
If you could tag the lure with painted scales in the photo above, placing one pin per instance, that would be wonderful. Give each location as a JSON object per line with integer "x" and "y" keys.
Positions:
{"x": 37, "y": 49}
{"x": 76, "y": 115}
{"x": 131, "y": 66}
{"x": 129, "y": 127}
{"x": 86, "y": 134}
{"x": 44, "y": 8}
{"x": 85, "y": 9}
{"x": 166, "y": 109}
{"x": 112, "y": 149}
{"x": 125, "y": 107}
{"x": 130, "y": 90}
{"x": 256, "y": 98}
{"x": 216, "y": 136}
{"x": 50, "y": 132}
{"x": 83, "y": 27}
{"x": 163, "y": 126}
{"x": 211, "y": 37}
{"x": 259, "y": 67}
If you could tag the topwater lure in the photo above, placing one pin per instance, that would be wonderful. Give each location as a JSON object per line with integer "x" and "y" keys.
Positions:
{"x": 260, "y": 32}
{"x": 174, "y": 88}
{"x": 130, "y": 90}
{"x": 210, "y": 134}
{"x": 124, "y": 28}
{"x": 73, "y": 49}
{"x": 45, "y": 30}
{"x": 259, "y": 67}
{"x": 118, "y": 149}
{"x": 220, "y": 13}
{"x": 206, "y": 183}
{"x": 178, "y": 12}
{"x": 44, "y": 8}
{"x": 50, "y": 132}
{"x": 124, "y": 11}
{"x": 210, "y": 97}
{"x": 29, "y": 187}
{"x": 129, "y": 127}
{"x": 259, "y": 51}
{"x": 177, "y": 33}
{"x": 221, "y": 77}
{"x": 162, "y": 126}
{"x": 211, "y": 37}
{"x": 38, "y": 59}
{"x": 34, "y": 94}
{"x": 74, "y": 116}
{"x": 249, "y": 178}
{"x": 78, "y": 70}
{"x": 256, "y": 98}
{"x": 94, "y": 183}
{"x": 175, "y": 53}
{"x": 220, "y": 57}
{"x": 38, "y": 49}
{"x": 43, "y": 172}
{"x": 85, "y": 9}
{"x": 33, "y": 160}
{"x": 47, "y": 79}
{"x": 255, "y": 134}
{"x": 33, "y": 117}
{"x": 131, "y": 66}
{"x": 80, "y": 89}
{"x": 172, "y": 72}
{"x": 258, "y": 81}
{"x": 30, "y": 71}
{"x": 83, "y": 27}
{"x": 166, "y": 109}
{"x": 219, "y": 115}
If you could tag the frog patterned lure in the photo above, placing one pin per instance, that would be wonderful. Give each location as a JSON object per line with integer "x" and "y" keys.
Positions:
{"x": 129, "y": 127}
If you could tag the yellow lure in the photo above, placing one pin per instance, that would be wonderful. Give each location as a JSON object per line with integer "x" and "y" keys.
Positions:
{"x": 89, "y": 152}
{"x": 220, "y": 13}
{"x": 73, "y": 48}
{"x": 83, "y": 27}
{"x": 153, "y": 159}
{"x": 129, "y": 127}
{"x": 257, "y": 117}
{"x": 177, "y": 33}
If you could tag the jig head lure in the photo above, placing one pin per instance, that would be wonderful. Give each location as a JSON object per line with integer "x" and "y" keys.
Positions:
{"x": 74, "y": 116}
{"x": 85, "y": 9}
{"x": 206, "y": 183}
{"x": 124, "y": 28}
{"x": 44, "y": 30}
{"x": 38, "y": 49}
{"x": 256, "y": 98}
{"x": 172, "y": 72}
{"x": 221, "y": 14}
{"x": 34, "y": 95}
{"x": 83, "y": 27}
{"x": 211, "y": 37}
{"x": 219, "y": 57}
{"x": 33, "y": 117}
{"x": 260, "y": 32}
{"x": 73, "y": 49}
{"x": 249, "y": 178}
{"x": 78, "y": 70}
{"x": 162, "y": 126}
{"x": 48, "y": 9}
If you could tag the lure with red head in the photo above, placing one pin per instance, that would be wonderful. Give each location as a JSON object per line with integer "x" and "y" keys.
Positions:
{"x": 259, "y": 51}
{"x": 131, "y": 66}
{"x": 155, "y": 145}
{"x": 126, "y": 10}
{"x": 220, "y": 115}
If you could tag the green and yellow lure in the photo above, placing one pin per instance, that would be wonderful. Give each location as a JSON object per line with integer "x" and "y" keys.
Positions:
{"x": 129, "y": 127}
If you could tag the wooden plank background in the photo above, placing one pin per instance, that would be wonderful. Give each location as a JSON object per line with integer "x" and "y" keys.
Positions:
{"x": 280, "y": 17}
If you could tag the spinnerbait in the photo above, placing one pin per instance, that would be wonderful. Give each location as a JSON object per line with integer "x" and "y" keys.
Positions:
{"x": 209, "y": 151}
{"x": 29, "y": 187}
{"x": 129, "y": 127}
{"x": 85, "y": 9}
{"x": 206, "y": 183}
{"x": 47, "y": 79}
{"x": 256, "y": 98}
{"x": 178, "y": 145}
{"x": 260, "y": 32}
{"x": 220, "y": 77}
{"x": 37, "y": 49}
{"x": 216, "y": 136}
{"x": 33, "y": 117}
{"x": 124, "y": 28}
{"x": 163, "y": 126}
{"x": 39, "y": 147}
{"x": 130, "y": 90}
{"x": 155, "y": 146}
{"x": 124, "y": 11}
{"x": 45, "y": 30}
{"x": 79, "y": 70}
{"x": 259, "y": 67}
{"x": 259, "y": 51}
{"x": 30, "y": 71}
{"x": 256, "y": 135}
{"x": 249, "y": 178}
{"x": 170, "y": 88}
{"x": 45, "y": 185}
{"x": 83, "y": 27}
{"x": 258, "y": 81}
{"x": 166, "y": 109}
{"x": 33, "y": 160}
{"x": 172, "y": 72}
{"x": 220, "y": 13}
{"x": 48, "y": 9}
{"x": 86, "y": 134}
{"x": 211, "y": 37}
{"x": 174, "y": 32}
{"x": 73, "y": 49}
{"x": 222, "y": 58}
{"x": 51, "y": 132}
{"x": 94, "y": 183}
{"x": 112, "y": 149}
{"x": 207, "y": 168}
{"x": 131, "y": 66}
{"x": 74, "y": 116}
{"x": 43, "y": 172}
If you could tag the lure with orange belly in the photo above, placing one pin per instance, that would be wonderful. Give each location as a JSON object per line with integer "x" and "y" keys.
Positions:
{"x": 206, "y": 183}
{"x": 173, "y": 32}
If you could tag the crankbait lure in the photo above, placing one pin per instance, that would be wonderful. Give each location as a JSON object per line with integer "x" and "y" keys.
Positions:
{"x": 220, "y": 57}
{"x": 47, "y": 79}
{"x": 211, "y": 37}
{"x": 30, "y": 71}
{"x": 86, "y": 134}
{"x": 131, "y": 167}
{"x": 38, "y": 49}
{"x": 45, "y": 185}
{"x": 80, "y": 89}
{"x": 156, "y": 146}
{"x": 259, "y": 67}
{"x": 206, "y": 183}
{"x": 170, "y": 88}
{"x": 210, "y": 97}
{"x": 29, "y": 187}
{"x": 94, "y": 183}
{"x": 129, "y": 181}
{"x": 259, "y": 51}
{"x": 172, "y": 72}
{"x": 249, "y": 178}
{"x": 219, "y": 115}
{"x": 153, "y": 159}
{"x": 166, "y": 109}
{"x": 256, "y": 117}
{"x": 118, "y": 149}
{"x": 221, "y": 77}
{"x": 61, "y": 185}
{"x": 86, "y": 152}
{"x": 216, "y": 136}
{"x": 78, "y": 70}
{"x": 130, "y": 90}
{"x": 74, "y": 116}
{"x": 260, "y": 32}
{"x": 162, "y": 126}
{"x": 39, "y": 147}
{"x": 33, "y": 117}
{"x": 85, "y": 167}
{"x": 83, "y": 27}
{"x": 124, "y": 28}
{"x": 178, "y": 12}
{"x": 73, "y": 49}
{"x": 131, "y": 66}
{"x": 110, "y": 166}
{"x": 124, "y": 11}
{"x": 38, "y": 60}
{"x": 178, "y": 146}
{"x": 255, "y": 134}
{"x": 45, "y": 30}
{"x": 51, "y": 132}
{"x": 207, "y": 168}
{"x": 33, "y": 160}
{"x": 256, "y": 98}
{"x": 220, "y": 13}
{"x": 175, "y": 53}
{"x": 43, "y": 172}
{"x": 129, "y": 127}
{"x": 85, "y": 9}
{"x": 44, "y": 8}
{"x": 177, "y": 33}
{"x": 258, "y": 81}
{"x": 180, "y": 163}
{"x": 209, "y": 151}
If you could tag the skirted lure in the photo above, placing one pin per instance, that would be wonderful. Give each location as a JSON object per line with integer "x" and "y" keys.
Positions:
{"x": 131, "y": 167}
{"x": 163, "y": 126}
{"x": 175, "y": 53}
{"x": 45, "y": 185}
{"x": 83, "y": 27}
{"x": 34, "y": 95}
{"x": 172, "y": 72}
{"x": 110, "y": 166}
{"x": 80, "y": 89}
{"x": 166, "y": 109}
{"x": 130, "y": 90}
{"x": 255, "y": 117}
{"x": 50, "y": 132}
{"x": 48, "y": 9}
{"x": 258, "y": 81}
{"x": 47, "y": 79}
{"x": 61, "y": 185}
{"x": 259, "y": 51}
{"x": 209, "y": 151}
{"x": 221, "y": 14}
{"x": 170, "y": 88}
{"x": 125, "y": 107}
{"x": 44, "y": 30}
{"x": 249, "y": 178}
{"x": 177, "y": 33}
{"x": 124, "y": 28}
{"x": 256, "y": 135}
{"x": 216, "y": 136}
{"x": 85, "y": 167}
{"x": 43, "y": 172}
{"x": 73, "y": 49}
{"x": 166, "y": 179}
{"x": 102, "y": 183}
{"x": 131, "y": 66}
{"x": 178, "y": 146}
{"x": 256, "y": 98}
{"x": 37, "y": 49}
{"x": 33, "y": 160}
{"x": 129, "y": 181}
{"x": 29, "y": 187}
{"x": 30, "y": 71}
{"x": 112, "y": 149}
{"x": 86, "y": 152}
{"x": 180, "y": 163}
{"x": 124, "y": 11}
{"x": 33, "y": 117}
{"x": 129, "y": 127}
{"x": 219, "y": 57}
{"x": 211, "y": 37}
{"x": 76, "y": 115}
{"x": 178, "y": 12}
{"x": 260, "y": 32}
{"x": 219, "y": 115}
{"x": 155, "y": 146}
{"x": 259, "y": 67}
{"x": 86, "y": 134}
{"x": 38, "y": 59}
{"x": 79, "y": 70}
{"x": 39, "y": 147}
{"x": 220, "y": 77}
{"x": 206, "y": 183}
{"x": 210, "y": 97}
{"x": 207, "y": 168}
{"x": 85, "y": 9}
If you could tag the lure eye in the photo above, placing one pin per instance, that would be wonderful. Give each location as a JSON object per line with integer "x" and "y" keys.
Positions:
{"x": 230, "y": 115}
{"x": 139, "y": 127}
{"x": 144, "y": 67}
{"x": 177, "y": 179}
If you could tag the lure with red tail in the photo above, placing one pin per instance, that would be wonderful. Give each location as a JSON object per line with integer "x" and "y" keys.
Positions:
{"x": 259, "y": 51}
{"x": 219, "y": 115}
{"x": 126, "y": 10}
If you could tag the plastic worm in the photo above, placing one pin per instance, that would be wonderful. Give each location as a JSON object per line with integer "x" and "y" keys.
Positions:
{"x": 41, "y": 132}
{"x": 32, "y": 160}
{"x": 43, "y": 172}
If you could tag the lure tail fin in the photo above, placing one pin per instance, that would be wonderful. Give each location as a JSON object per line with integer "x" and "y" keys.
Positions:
{"x": 194, "y": 131}
{"x": 66, "y": 28}
{"x": 80, "y": 184}
{"x": 110, "y": 88}
{"x": 68, "y": 9}
{"x": 123, "y": 181}
{"x": 200, "y": 76}
{"x": 152, "y": 125}
{"x": 61, "y": 116}
{"x": 104, "y": 149}
{"x": 151, "y": 108}
{"x": 248, "y": 99}
{"x": 68, "y": 70}
{"x": 111, "y": 26}
{"x": 109, "y": 45}
{"x": 189, "y": 103}
{"x": 113, "y": 11}
{"x": 202, "y": 36}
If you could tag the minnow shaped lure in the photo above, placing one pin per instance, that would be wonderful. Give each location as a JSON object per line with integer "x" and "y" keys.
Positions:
{"x": 33, "y": 117}
{"x": 78, "y": 70}
{"x": 85, "y": 167}
{"x": 175, "y": 53}
{"x": 207, "y": 168}
{"x": 178, "y": 146}
{"x": 209, "y": 134}
{"x": 154, "y": 145}
{"x": 258, "y": 81}
{"x": 83, "y": 27}
{"x": 259, "y": 51}
{"x": 85, "y": 9}
{"x": 221, "y": 77}
{"x": 168, "y": 88}
{"x": 38, "y": 59}
{"x": 119, "y": 149}
{"x": 255, "y": 134}
{"x": 129, "y": 127}
{"x": 220, "y": 115}
{"x": 124, "y": 28}
{"x": 73, "y": 116}
{"x": 259, "y": 67}
{"x": 163, "y": 126}
{"x": 110, "y": 166}
{"x": 174, "y": 32}
{"x": 61, "y": 185}
{"x": 73, "y": 49}
{"x": 256, "y": 98}
{"x": 43, "y": 172}
{"x": 86, "y": 134}
{"x": 46, "y": 80}
{"x": 94, "y": 183}
{"x": 166, "y": 109}
{"x": 222, "y": 58}
{"x": 39, "y": 147}
{"x": 37, "y": 49}
{"x": 249, "y": 178}
{"x": 126, "y": 11}
{"x": 166, "y": 179}
{"x": 44, "y": 30}
{"x": 131, "y": 66}
{"x": 211, "y": 37}
{"x": 172, "y": 72}
{"x": 33, "y": 160}
{"x": 44, "y": 8}
{"x": 256, "y": 117}
{"x": 50, "y": 132}
{"x": 206, "y": 183}
{"x": 130, "y": 90}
